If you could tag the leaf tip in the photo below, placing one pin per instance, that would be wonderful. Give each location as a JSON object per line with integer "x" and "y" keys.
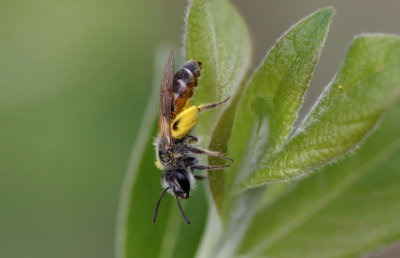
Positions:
{"x": 326, "y": 14}
{"x": 328, "y": 11}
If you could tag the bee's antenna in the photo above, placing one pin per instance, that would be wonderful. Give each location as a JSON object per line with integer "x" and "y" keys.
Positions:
{"x": 158, "y": 204}
{"x": 180, "y": 208}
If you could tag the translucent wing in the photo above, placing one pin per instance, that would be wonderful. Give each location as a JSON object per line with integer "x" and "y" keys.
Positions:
{"x": 166, "y": 101}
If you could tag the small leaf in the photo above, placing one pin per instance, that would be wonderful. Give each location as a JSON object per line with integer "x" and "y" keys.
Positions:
{"x": 345, "y": 210}
{"x": 217, "y": 36}
{"x": 351, "y": 106}
{"x": 136, "y": 235}
{"x": 275, "y": 93}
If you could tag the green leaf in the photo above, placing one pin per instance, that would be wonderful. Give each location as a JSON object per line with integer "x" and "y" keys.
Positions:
{"x": 136, "y": 235}
{"x": 275, "y": 93}
{"x": 217, "y": 36}
{"x": 367, "y": 84}
{"x": 345, "y": 210}
{"x": 287, "y": 75}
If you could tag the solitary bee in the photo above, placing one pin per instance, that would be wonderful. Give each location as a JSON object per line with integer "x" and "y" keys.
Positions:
{"x": 174, "y": 145}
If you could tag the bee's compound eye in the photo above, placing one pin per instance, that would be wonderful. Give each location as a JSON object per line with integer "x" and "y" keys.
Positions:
{"x": 184, "y": 183}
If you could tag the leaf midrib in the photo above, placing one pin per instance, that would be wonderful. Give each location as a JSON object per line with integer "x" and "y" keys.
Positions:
{"x": 327, "y": 199}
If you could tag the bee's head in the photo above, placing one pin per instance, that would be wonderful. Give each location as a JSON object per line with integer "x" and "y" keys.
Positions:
{"x": 178, "y": 183}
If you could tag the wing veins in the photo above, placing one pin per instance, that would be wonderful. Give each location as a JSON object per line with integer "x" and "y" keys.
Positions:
{"x": 166, "y": 101}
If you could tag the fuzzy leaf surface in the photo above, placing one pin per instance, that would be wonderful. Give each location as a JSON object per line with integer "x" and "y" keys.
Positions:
{"x": 270, "y": 103}
{"x": 368, "y": 82}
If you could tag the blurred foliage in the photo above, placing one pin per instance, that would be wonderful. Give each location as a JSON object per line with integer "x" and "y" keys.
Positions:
{"x": 74, "y": 78}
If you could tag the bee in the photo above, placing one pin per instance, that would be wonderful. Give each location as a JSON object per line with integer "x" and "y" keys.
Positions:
{"x": 174, "y": 145}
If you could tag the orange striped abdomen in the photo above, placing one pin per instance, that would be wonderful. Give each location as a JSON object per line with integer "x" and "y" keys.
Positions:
{"x": 185, "y": 80}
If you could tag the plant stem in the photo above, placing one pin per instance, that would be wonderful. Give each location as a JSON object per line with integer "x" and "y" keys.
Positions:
{"x": 224, "y": 243}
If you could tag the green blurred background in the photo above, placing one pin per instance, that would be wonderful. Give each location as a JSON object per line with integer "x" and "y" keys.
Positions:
{"x": 75, "y": 76}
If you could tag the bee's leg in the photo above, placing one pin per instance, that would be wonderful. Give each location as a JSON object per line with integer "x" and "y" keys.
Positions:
{"x": 207, "y": 152}
{"x": 209, "y": 106}
{"x": 203, "y": 167}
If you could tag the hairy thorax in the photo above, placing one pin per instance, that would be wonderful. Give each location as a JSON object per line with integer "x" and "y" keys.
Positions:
{"x": 175, "y": 157}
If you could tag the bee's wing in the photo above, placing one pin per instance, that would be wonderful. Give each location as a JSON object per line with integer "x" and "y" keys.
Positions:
{"x": 166, "y": 100}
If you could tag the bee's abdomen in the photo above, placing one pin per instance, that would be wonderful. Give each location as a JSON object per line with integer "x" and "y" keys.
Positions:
{"x": 185, "y": 80}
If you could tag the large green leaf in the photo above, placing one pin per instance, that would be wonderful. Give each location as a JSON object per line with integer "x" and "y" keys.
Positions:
{"x": 367, "y": 84}
{"x": 217, "y": 36}
{"x": 345, "y": 210}
{"x": 136, "y": 235}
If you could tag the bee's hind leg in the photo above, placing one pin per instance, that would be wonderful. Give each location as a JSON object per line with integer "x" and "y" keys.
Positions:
{"x": 208, "y": 152}
{"x": 210, "y": 106}
{"x": 203, "y": 167}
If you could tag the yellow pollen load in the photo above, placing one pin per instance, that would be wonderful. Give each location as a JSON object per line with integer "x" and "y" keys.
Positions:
{"x": 184, "y": 122}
